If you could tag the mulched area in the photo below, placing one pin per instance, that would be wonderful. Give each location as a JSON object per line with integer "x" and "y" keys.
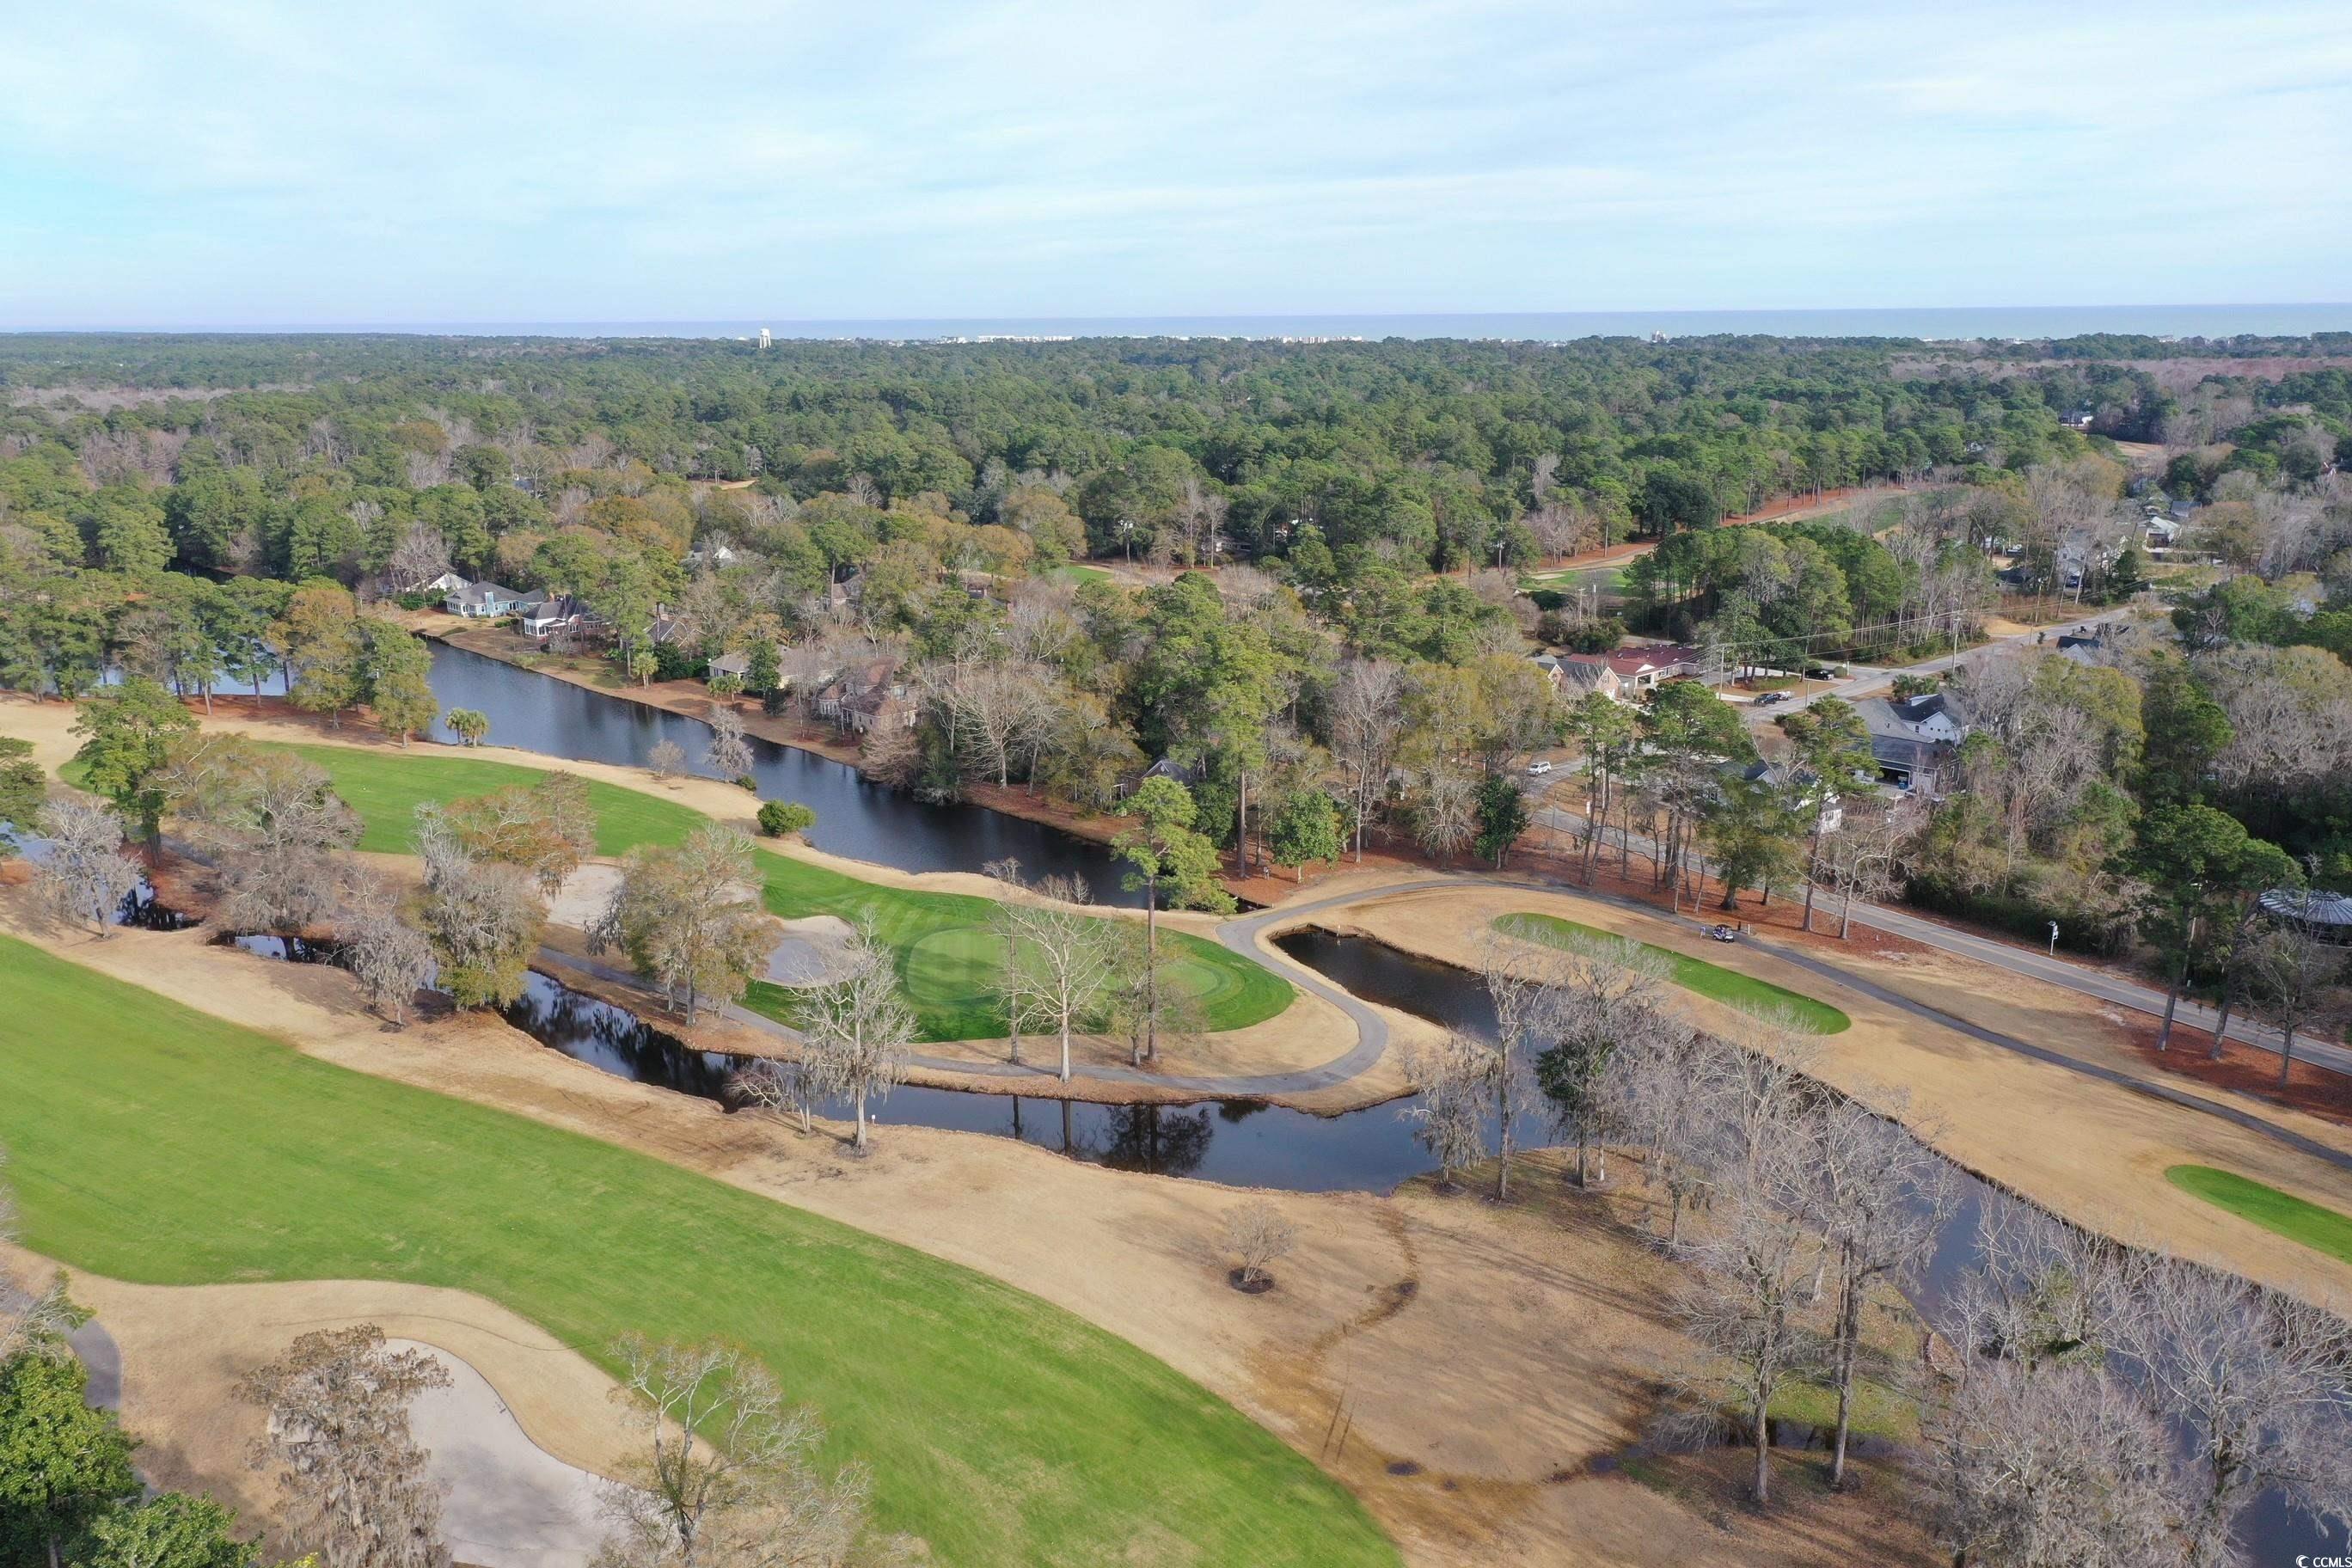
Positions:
{"x": 2243, "y": 1069}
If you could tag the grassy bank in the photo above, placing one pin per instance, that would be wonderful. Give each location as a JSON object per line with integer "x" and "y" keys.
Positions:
{"x": 946, "y": 958}
{"x": 1710, "y": 980}
{"x": 155, "y": 1143}
{"x": 2282, "y": 1213}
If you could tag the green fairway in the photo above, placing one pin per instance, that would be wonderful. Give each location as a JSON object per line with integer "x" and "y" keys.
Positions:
{"x": 1073, "y": 574}
{"x": 1743, "y": 991}
{"x": 2282, "y": 1213}
{"x": 387, "y": 787}
{"x": 155, "y": 1143}
{"x": 945, "y": 955}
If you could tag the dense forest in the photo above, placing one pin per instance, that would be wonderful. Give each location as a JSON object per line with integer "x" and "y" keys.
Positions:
{"x": 213, "y": 511}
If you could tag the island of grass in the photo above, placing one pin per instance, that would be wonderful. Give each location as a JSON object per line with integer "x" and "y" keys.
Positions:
{"x": 158, "y": 1144}
{"x": 2282, "y": 1213}
{"x": 1710, "y": 980}
{"x": 945, "y": 954}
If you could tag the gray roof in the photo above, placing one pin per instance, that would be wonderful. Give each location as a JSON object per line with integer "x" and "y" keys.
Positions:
{"x": 2315, "y": 908}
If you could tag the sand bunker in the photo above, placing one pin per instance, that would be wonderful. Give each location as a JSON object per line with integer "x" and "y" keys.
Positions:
{"x": 510, "y": 1503}
{"x": 810, "y": 951}
{"x": 580, "y": 902}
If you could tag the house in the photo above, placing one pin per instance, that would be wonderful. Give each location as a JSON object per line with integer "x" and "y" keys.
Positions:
{"x": 2163, "y": 530}
{"x": 1802, "y": 783}
{"x": 1913, "y": 739}
{"x": 483, "y": 601}
{"x": 1573, "y": 675}
{"x": 563, "y": 613}
{"x": 667, "y": 630}
{"x": 854, "y": 698}
{"x": 715, "y": 556}
{"x": 1629, "y": 672}
{"x": 881, "y": 708}
{"x": 446, "y": 584}
{"x": 737, "y": 663}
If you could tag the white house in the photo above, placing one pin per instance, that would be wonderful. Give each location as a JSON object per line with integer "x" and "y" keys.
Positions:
{"x": 483, "y": 601}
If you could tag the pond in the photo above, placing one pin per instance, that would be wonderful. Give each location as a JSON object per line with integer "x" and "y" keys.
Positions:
{"x": 139, "y": 908}
{"x": 1240, "y": 1143}
{"x": 864, "y": 821}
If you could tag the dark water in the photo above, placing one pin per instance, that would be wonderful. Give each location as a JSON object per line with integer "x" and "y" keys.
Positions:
{"x": 139, "y": 908}
{"x": 539, "y": 714}
{"x": 1242, "y": 1142}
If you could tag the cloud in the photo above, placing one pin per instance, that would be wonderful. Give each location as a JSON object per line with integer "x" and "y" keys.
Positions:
{"x": 530, "y": 161}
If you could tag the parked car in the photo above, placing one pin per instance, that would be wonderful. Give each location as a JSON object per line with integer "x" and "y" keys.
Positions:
{"x": 1766, "y": 699}
{"x": 1539, "y": 766}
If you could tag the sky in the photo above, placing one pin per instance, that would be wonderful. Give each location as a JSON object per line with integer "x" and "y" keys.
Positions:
{"x": 234, "y": 163}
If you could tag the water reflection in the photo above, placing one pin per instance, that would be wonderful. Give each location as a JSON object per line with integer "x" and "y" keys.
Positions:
{"x": 854, "y": 819}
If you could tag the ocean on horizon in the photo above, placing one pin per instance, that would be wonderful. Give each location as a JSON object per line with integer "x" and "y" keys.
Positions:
{"x": 1958, "y": 323}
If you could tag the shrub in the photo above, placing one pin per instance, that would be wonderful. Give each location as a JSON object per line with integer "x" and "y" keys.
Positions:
{"x": 779, "y": 817}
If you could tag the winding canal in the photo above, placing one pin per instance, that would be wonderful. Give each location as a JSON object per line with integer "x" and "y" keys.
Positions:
{"x": 536, "y": 712}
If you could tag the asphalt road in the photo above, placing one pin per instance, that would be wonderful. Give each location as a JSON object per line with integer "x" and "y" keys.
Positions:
{"x": 2192, "y": 1027}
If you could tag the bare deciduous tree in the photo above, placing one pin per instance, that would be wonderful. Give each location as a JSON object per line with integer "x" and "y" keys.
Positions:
{"x": 2290, "y": 969}
{"x": 2050, "y": 1467}
{"x": 727, "y": 1477}
{"x": 1058, "y": 959}
{"x": 786, "y": 1085}
{"x": 990, "y": 712}
{"x": 1877, "y": 1197}
{"x": 1256, "y": 1235}
{"x": 29, "y": 1319}
{"x": 1523, "y": 984}
{"x": 666, "y": 758}
{"x": 1745, "y": 1307}
{"x": 272, "y": 824}
{"x": 2261, "y": 1386}
{"x": 81, "y": 872}
{"x": 354, "y": 1478}
{"x": 855, "y": 1028}
{"x": 1446, "y": 807}
{"x": 421, "y": 556}
{"x": 1606, "y": 996}
{"x": 1661, "y": 1084}
{"x": 1368, "y": 715}
{"x": 1449, "y": 1080}
{"x": 729, "y": 755}
{"x": 390, "y": 958}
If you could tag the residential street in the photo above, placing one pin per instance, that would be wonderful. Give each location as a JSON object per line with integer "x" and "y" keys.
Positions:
{"x": 2192, "y": 1023}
